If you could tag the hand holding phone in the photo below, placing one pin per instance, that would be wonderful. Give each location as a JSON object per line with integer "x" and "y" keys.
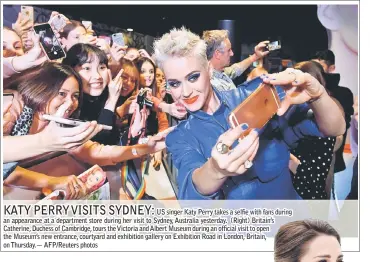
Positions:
{"x": 257, "y": 109}
{"x": 49, "y": 42}
{"x": 27, "y": 13}
{"x": 70, "y": 122}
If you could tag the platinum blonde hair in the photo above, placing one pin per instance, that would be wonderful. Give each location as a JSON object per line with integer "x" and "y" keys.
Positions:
{"x": 215, "y": 41}
{"x": 179, "y": 43}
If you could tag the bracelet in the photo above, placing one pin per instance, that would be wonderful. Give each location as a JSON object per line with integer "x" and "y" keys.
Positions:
{"x": 313, "y": 100}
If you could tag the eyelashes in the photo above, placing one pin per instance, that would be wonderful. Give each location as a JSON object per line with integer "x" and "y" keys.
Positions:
{"x": 192, "y": 78}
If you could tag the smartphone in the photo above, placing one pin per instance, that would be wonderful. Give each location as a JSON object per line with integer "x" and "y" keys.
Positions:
{"x": 69, "y": 122}
{"x": 257, "y": 109}
{"x": 27, "y": 13}
{"x": 58, "y": 22}
{"x": 7, "y": 98}
{"x": 87, "y": 25}
{"x": 118, "y": 39}
{"x": 275, "y": 45}
{"x": 49, "y": 42}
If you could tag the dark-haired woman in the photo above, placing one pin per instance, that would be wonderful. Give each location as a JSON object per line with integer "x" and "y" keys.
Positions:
{"x": 313, "y": 154}
{"x": 100, "y": 92}
{"x": 307, "y": 241}
{"x": 73, "y": 33}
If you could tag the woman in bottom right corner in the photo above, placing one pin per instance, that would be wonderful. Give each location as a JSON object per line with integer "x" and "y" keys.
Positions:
{"x": 307, "y": 241}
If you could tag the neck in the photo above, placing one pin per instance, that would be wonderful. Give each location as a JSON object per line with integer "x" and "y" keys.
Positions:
{"x": 212, "y": 103}
{"x": 38, "y": 124}
{"x": 216, "y": 65}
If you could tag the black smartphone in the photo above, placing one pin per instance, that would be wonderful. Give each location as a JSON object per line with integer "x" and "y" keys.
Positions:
{"x": 49, "y": 42}
{"x": 275, "y": 45}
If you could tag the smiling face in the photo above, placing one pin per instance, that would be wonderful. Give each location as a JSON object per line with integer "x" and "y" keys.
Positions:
{"x": 69, "y": 92}
{"x": 146, "y": 74}
{"x": 12, "y": 44}
{"x": 94, "y": 76}
{"x": 189, "y": 81}
{"x": 323, "y": 249}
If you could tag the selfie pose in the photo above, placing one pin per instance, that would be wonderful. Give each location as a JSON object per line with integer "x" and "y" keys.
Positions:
{"x": 211, "y": 162}
{"x": 307, "y": 241}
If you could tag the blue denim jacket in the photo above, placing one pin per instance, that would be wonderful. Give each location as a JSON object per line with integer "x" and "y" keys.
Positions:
{"x": 192, "y": 141}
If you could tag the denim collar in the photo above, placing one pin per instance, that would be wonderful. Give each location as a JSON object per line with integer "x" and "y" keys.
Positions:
{"x": 203, "y": 115}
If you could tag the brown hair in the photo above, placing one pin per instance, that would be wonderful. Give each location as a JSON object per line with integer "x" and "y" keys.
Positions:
{"x": 129, "y": 67}
{"x": 39, "y": 85}
{"x": 291, "y": 239}
{"x": 70, "y": 27}
{"x": 313, "y": 68}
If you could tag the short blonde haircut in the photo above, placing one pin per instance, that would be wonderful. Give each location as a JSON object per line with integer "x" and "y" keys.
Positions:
{"x": 215, "y": 41}
{"x": 179, "y": 43}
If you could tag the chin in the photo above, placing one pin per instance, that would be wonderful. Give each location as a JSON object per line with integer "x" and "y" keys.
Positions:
{"x": 96, "y": 92}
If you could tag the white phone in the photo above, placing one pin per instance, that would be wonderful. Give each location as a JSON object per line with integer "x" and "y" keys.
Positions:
{"x": 69, "y": 122}
{"x": 58, "y": 22}
{"x": 119, "y": 39}
{"x": 27, "y": 13}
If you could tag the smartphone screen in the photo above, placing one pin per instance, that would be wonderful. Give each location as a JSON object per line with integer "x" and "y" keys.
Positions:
{"x": 49, "y": 42}
{"x": 275, "y": 45}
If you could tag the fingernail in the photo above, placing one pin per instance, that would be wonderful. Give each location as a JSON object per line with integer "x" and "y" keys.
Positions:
{"x": 258, "y": 130}
{"x": 245, "y": 126}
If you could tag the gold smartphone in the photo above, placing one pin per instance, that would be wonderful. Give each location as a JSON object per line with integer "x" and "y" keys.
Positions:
{"x": 257, "y": 109}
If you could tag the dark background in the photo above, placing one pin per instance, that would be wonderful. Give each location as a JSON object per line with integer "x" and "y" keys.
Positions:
{"x": 297, "y": 27}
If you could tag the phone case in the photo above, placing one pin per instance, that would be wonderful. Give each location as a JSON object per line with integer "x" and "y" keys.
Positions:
{"x": 58, "y": 22}
{"x": 257, "y": 109}
{"x": 35, "y": 28}
{"x": 118, "y": 39}
{"x": 27, "y": 12}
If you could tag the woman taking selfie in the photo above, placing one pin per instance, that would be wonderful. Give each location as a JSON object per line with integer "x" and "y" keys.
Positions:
{"x": 257, "y": 167}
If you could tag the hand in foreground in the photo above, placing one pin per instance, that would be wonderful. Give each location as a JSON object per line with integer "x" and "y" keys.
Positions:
{"x": 260, "y": 49}
{"x": 232, "y": 162}
{"x": 300, "y": 87}
{"x": 57, "y": 138}
{"x": 74, "y": 187}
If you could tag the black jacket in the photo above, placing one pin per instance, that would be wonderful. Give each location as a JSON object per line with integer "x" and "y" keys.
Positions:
{"x": 345, "y": 97}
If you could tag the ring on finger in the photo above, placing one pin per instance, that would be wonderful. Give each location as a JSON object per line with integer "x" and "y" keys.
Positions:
{"x": 222, "y": 148}
{"x": 248, "y": 164}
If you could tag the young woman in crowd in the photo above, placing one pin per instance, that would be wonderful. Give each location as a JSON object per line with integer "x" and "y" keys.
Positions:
{"x": 44, "y": 90}
{"x": 100, "y": 92}
{"x": 257, "y": 166}
{"x": 307, "y": 241}
{"x": 12, "y": 43}
{"x": 313, "y": 156}
{"x": 73, "y": 33}
{"x": 157, "y": 121}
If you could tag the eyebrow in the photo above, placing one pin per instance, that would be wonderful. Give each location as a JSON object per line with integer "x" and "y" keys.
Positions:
{"x": 192, "y": 72}
{"x": 323, "y": 256}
